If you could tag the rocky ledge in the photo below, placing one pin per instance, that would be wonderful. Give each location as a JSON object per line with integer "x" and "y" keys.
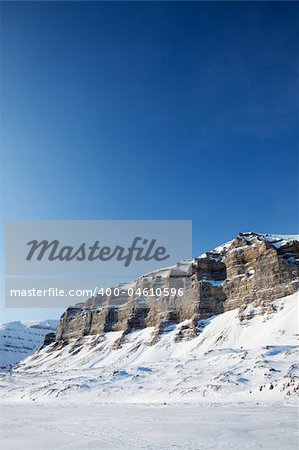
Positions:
{"x": 252, "y": 269}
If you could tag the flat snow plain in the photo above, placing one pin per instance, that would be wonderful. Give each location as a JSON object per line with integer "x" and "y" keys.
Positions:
{"x": 146, "y": 426}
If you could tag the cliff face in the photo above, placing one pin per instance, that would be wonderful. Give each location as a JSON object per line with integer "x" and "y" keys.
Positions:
{"x": 251, "y": 269}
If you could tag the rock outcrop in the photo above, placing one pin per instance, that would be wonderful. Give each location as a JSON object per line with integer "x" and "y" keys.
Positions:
{"x": 251, "y": 269}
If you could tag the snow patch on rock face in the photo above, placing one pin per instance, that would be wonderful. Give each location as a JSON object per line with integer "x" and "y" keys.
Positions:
{"x": 230, "y": 360}
{"x": 215, "y": 283}
{"x": 20, "y": 339}
{"x": 282, "y": 237}
{"x": 276, "y": 240}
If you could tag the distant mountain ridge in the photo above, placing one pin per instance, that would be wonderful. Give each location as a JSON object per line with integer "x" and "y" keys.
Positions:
{"x": 20, "y": 339}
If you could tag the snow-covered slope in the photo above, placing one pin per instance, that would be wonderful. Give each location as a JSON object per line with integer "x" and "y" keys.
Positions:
{"x": 234, "y": 358}
{"x": 20, "y": 339}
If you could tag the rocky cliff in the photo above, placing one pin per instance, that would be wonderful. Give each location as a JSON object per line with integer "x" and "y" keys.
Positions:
{"x": 251, "y": 269}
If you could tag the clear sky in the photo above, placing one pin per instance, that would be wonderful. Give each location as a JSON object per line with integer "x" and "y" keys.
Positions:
{"x": 160, "y": 110}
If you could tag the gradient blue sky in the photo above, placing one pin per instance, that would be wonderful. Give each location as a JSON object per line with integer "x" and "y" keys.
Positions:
{"x": 160, "y": 110}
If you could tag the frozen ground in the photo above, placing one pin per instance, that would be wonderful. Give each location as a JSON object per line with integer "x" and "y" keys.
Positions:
{"x": 161, "y": 427}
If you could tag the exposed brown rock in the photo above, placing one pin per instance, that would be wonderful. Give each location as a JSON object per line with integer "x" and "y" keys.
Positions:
{"x": 252, "y": 268}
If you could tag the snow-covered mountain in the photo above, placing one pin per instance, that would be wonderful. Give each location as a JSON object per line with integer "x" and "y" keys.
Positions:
{"x": 232, "y": 359}
{"x": 252, "y": 268}
{"x": 231, "y": 336}
{"x": 20, "y": 339}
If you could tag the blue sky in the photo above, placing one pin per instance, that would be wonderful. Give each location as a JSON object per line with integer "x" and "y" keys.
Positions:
{"x": 136, "y": 110}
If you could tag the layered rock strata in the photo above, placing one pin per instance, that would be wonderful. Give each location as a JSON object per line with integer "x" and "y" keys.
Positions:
{"x": 252, "y": 268}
